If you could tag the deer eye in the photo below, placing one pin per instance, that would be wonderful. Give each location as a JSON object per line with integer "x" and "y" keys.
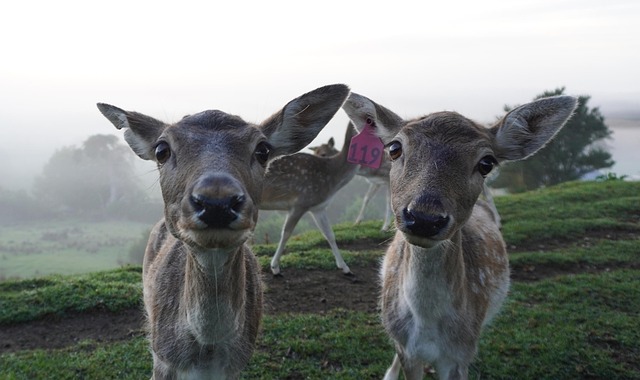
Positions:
{"x": 262, "y": 152}
{"x": 395, "y": 149}
{"x": 162, "y": 152}
{"x": 486, "y": 164}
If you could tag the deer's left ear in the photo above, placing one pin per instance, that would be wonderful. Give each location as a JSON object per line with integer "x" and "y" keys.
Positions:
{"x": 300, "y": 121}
{"x": 528, "y": 128}
{"x": 362, "y": 110}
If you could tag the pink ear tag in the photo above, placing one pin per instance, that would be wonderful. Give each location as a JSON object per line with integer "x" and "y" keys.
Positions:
{"x": 366, "y": 148}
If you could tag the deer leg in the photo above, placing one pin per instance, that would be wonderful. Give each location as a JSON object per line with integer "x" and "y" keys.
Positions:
{"x": 161, "y": 370}
{"x": 322, "y": 221}
{"x": 413, "y": 370}
{"x": 373, "y": 187}
{"x": 393, "y": 372}
{"x": 452, "y": 372}
{"x": 387, "y": 211}
{"x": 290, "y": 222}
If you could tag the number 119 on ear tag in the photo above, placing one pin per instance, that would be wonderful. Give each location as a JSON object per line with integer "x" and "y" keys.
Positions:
{"x": 366, "y": 148}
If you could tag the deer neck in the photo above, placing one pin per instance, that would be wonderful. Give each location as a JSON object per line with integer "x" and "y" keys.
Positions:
{"x": 214, "y": 293}
{"x": 436, "y": 275}
{"x": 339, "y": 162}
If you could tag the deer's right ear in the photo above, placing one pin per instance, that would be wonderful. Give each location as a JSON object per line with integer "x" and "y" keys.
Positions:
{"x": 362, "y": 111}
{"x": 141, "y": 132}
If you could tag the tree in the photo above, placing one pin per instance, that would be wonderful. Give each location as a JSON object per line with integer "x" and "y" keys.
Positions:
{"x": 576, "y": 150}
{"x": 91, "y": 179}
{"x": 18, "y": 206}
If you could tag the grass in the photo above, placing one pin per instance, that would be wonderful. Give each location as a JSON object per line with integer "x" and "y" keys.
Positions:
{"x": 598, "y": 253}
{"x": 26, "y": 300}
{"x": 340, "y": 345}
{"x": 580, "y": 326}
{"x": 570, "y": 326}
{"x": 570, "y": 211}
{"x": 69, "y": 247}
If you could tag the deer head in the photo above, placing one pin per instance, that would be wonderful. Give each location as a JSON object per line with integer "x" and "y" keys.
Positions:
{"x": 211, "y": 164}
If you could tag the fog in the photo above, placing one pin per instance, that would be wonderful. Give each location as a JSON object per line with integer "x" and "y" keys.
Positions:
{"x": 251, "y": 58}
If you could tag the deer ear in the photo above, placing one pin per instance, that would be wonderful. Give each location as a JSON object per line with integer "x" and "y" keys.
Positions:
{"x": 140, "y": 131}
{"x": 300, "y": 121}
{"x": 362, "y": 110}
{"x": 528, "y": 128}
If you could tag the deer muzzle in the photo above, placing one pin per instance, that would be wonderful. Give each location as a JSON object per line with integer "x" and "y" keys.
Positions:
{"x": 217, "y": 200}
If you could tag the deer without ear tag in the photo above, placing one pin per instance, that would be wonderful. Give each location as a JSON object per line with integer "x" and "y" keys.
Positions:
{"x": 366, "y": 148}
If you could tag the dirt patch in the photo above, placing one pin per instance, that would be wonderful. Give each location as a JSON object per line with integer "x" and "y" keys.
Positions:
{"x": 58, "y": 332}
{"x": 317, "y": 291}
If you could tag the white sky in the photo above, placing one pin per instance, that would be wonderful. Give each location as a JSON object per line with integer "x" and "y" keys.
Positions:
{"x": 168, "y": 59}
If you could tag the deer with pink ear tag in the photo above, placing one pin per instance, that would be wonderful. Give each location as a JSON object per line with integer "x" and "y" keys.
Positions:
{"x": 201, "y": 282}
{"x": 446, "y": 273}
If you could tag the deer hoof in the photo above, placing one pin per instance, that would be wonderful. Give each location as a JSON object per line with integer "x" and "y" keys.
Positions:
{"x": 351, "y": 277}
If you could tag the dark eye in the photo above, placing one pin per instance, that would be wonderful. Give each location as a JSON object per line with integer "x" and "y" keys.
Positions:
{"x": 486, "y": 164}
{"x": 395, "y": 149}
{"x": 262, "y": 152}
{"x": 163, "y": 152}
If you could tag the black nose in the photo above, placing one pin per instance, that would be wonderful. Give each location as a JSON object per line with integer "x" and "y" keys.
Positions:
{"x": 425, "y": 225}
{"x": 217, "y": 212}
{"x": 217, "y": 200}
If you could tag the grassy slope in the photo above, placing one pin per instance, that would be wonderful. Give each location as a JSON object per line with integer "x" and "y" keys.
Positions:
{"x": 569, "y": 326}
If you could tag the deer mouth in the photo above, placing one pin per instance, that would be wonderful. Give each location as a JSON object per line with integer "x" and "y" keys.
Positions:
{"x": 215, "y": 232}
{"x": 215, "y": 237}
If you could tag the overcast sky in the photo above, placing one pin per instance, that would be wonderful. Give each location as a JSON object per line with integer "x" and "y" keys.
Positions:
{"x": 168, "y": 59}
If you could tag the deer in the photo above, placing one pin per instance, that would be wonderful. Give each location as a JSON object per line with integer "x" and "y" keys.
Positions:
{"x": 202, "y": 287}
{"x": 445, "y": 274}
{"x": 302, "y": 183}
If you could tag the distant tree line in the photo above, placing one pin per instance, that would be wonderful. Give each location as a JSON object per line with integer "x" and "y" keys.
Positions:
{"x": 94, "y": 181}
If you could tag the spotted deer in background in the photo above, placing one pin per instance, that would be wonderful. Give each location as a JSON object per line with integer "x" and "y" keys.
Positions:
{"x": 302, "y": 183}
{"x": 446, "y": 273}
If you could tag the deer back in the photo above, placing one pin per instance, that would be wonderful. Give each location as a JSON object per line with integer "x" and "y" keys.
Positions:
{"x": 306, "y": 180}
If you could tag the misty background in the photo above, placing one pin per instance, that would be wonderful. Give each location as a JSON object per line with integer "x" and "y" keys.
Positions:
{"x": 250, "y": 58}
